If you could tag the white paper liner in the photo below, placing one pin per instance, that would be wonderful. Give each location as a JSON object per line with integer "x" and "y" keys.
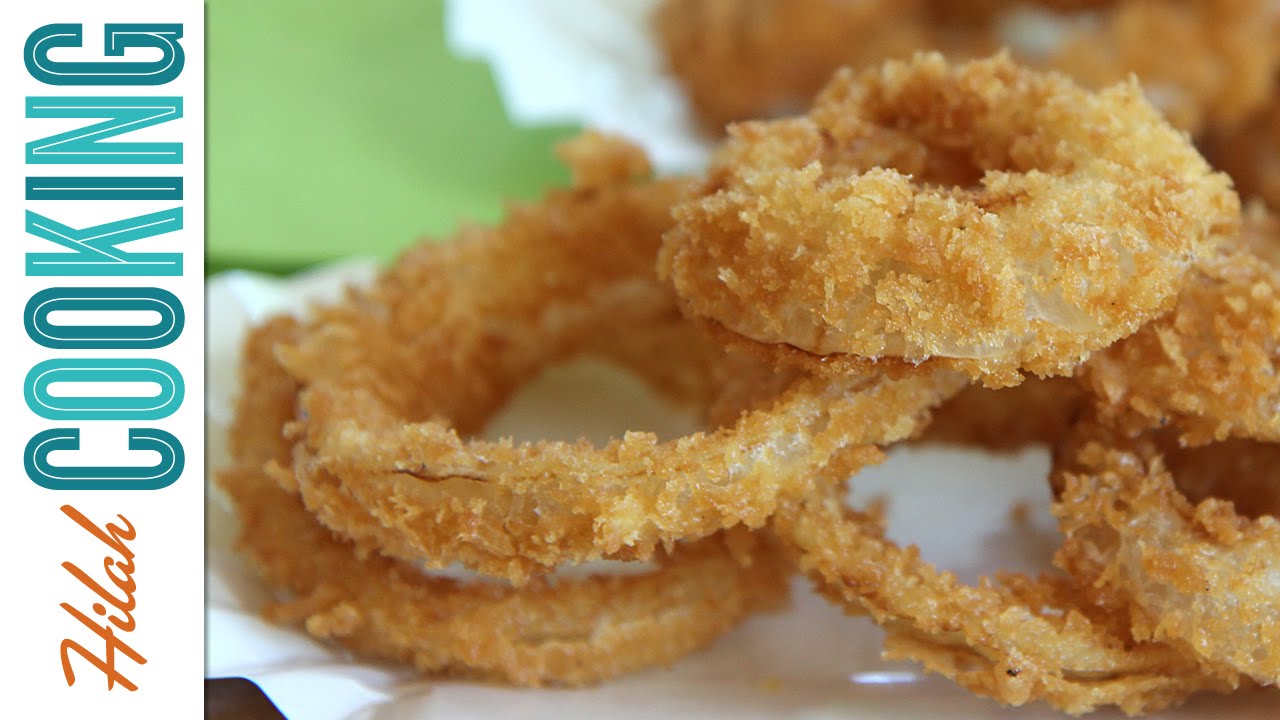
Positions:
{"x": 591, "y": 63}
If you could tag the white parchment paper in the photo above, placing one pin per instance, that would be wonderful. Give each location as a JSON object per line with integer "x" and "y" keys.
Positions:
{"x": 592, "y": 63}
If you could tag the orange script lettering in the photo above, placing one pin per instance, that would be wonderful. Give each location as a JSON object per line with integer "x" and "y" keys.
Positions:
{"x": 117, "y": 603}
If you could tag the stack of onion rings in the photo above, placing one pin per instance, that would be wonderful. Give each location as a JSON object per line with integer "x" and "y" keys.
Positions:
{"x": 346, "y": 498}
{"x": 572, "y": 632}
{"x": 832, "y": 281}
{"x": 383, "y": 463}
{"x": 1169, "y": 500}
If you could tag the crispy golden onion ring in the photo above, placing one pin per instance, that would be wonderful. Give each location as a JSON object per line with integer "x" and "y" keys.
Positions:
{"x": 1208, "y": 368}
{"x": 567, "y": 632}
{"x": 394, "y": 377}
{"x": 1011, "y": 638}
{"x": 987, "y": 216}
{"x": 1200, "y": 576}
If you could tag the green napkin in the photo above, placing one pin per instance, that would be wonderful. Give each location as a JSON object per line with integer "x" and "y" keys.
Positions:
{"x": 339, "y": 128}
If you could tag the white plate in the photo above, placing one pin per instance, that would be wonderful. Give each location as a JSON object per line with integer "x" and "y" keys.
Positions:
{"x": 808, "y": 662}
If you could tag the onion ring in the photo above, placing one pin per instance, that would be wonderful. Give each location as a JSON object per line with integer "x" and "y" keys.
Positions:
{"x": 1087, "y": 211}
{"x": 1207, "y": 368}
{"x": 571, "y": 632}
{"x": 1202, "y": 577}
{"x": 391, "y": 377}
{"x": 1011, "y": 638}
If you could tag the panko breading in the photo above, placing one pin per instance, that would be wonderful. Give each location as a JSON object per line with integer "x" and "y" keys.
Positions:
{"x": 1208, "y": 368}
{"x": 570, "y": 632}
{"x": 1012, "y": 638}
{"x": 393, "y": 380}
{"x": 995, "y": 218}
{"x": 836, "y": 282}
{"x": 1202, "y": 577}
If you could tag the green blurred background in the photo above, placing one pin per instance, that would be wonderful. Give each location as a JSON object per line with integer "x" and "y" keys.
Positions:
{"x": 339, "y": 128}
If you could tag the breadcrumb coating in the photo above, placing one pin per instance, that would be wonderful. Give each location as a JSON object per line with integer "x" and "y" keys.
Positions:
{"x": 997, "y": 218}
{"x": 1208, "y": 368}
{"x": 1010, "y": 637}
{"x": 567, "y": 632}
{"x": 395, "y": 380}
{"x": 1200, "y": 576}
